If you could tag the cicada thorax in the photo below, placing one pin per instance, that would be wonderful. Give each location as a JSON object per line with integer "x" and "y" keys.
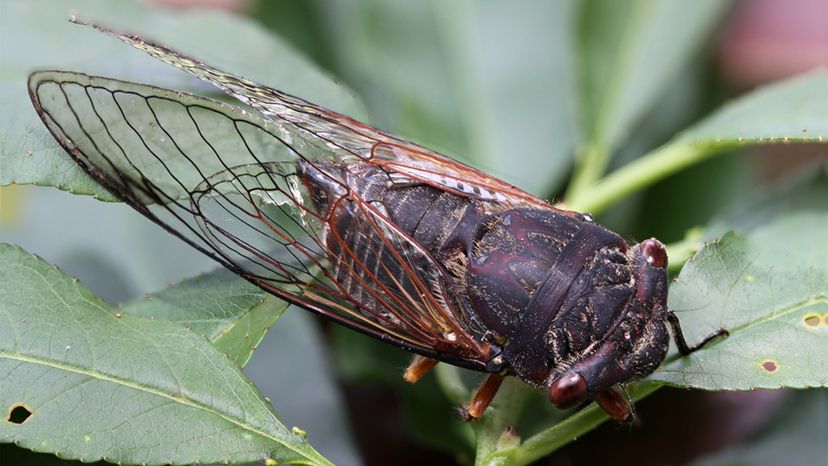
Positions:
{"x": 550, "y": 285}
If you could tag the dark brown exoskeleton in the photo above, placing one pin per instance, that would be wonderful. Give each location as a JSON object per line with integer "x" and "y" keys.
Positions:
{"x": 570, "y": 306}
{"x": 375, "y": 233}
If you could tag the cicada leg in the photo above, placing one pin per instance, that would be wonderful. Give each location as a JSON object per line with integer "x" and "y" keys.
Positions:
{"x": 617, "y": 404}
{"x": 419, "y": 367}
{"x": 678, "y": 335}
{"x": 483, "y": 397}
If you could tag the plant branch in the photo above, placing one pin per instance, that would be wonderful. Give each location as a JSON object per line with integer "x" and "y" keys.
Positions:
{"x": 592, "y": 163}
{"x": 549, "y": 440}
{"x": 495, "y": 431}
{"x": 645, "y": 171}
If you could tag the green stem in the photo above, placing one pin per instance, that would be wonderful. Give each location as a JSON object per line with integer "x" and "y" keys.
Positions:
{"x": 592, "y": 162}
{"x": 549, "y": 440}
{"x": 645, "y": 171}
{"x": 495, "y": 430}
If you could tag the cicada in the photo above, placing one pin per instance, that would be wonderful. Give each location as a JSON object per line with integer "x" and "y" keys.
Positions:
{"x": 375, "y": 233}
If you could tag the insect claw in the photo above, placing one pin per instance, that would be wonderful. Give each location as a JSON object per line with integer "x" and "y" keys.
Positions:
{"x": 419, "y": 367}
{"x": 463, "y": 412}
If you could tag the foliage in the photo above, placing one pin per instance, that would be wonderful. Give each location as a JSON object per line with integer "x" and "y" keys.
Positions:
{"x": 159, "y": 379}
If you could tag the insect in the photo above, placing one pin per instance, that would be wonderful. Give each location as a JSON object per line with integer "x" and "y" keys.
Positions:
{"x": 378, "y": 234}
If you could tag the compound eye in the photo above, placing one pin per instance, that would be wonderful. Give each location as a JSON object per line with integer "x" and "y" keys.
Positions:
{"x": 654, "y": 253}
{"x": 568, "y": 391}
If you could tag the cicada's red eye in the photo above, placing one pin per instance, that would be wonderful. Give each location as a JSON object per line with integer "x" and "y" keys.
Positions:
{"x": 568, "y": 391}
{"x": 654, "y": 253}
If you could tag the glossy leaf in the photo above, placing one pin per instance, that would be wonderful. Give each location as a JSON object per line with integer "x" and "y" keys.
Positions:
{"x": 104, "y": 385}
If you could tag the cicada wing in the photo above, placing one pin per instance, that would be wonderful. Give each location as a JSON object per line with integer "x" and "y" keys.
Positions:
{"x": 343, "y": 135}
{"x": 231, "y": 184}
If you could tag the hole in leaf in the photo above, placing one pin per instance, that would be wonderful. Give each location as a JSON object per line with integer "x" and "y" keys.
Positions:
{"x": 811, "y": 319}
{"x": 18, "y": 414}
{"x": 770, "y": 366}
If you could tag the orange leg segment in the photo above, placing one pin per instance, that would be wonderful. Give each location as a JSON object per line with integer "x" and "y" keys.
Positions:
{"x": 419, "y": 367}
{"x": 484, "y": 396}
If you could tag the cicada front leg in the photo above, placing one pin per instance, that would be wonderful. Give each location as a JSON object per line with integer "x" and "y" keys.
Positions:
{"x": 419, "y": 367}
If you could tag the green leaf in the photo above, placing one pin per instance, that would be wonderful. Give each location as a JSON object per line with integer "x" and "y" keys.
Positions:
{"x": 795, "y": 438}
{"x": 37, "y": 35}
{"x": 122, "y": 388}
{"x": 230, "y": 312}
{"x": 769, "y": 287}
{"x": 793, "y": 110}
{"x": 628, "y": 53}
{"x": 429, "y": 412}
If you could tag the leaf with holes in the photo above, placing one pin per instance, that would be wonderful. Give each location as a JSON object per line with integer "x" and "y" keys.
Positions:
{"x": 85, "y": 382}
{"x": 230, "y": 312}
{"x": 769, "y": 286}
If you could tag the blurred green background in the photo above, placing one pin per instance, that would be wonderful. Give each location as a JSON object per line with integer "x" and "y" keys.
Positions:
{"x": 497, "y": 86}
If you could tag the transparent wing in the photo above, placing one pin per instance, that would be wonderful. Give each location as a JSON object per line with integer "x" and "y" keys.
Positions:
{"x": 231, "y": 184}
{"x": 344, "y": 136}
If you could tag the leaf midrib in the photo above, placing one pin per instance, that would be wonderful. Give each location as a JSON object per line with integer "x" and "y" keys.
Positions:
{"x": 818, "y": 299}
{"x": 146, "y": 389}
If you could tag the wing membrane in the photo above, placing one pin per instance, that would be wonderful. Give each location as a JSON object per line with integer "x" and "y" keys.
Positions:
{"x": 229, "y": 182}
{"x": 342, "y": 135}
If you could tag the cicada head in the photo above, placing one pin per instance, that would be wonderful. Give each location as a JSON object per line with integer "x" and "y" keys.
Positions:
{"x": 634, "y": 348}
